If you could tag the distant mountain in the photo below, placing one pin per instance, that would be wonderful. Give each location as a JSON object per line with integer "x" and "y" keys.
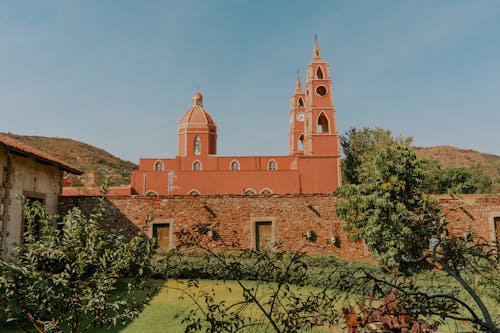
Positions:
{"x": 83, "y": 156}
{"x": 456, "y": 157}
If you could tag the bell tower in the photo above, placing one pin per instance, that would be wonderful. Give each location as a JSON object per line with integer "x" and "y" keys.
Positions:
{"x": 320, "y": 128}
{"x": 297, "y": 116}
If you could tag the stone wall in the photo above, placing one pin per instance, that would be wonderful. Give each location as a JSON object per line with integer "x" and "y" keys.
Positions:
{"x": 292, "y": 217}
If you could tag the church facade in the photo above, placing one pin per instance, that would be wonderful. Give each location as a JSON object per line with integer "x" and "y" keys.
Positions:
{"x": 312, "y": 165}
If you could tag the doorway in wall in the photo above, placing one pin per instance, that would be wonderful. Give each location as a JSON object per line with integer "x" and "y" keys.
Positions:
{"x": 263, "y": 235}
{"x": 161, "y": 231}
{"x": 35, "y": 225}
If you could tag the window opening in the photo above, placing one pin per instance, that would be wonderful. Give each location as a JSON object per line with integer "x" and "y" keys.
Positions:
{"x": 300, "y": 143}
{"x": 151, "y": 194}
{"x": 272, "y": 165}
{"x": 235, "y": 165}
{"x": 266, "y": 191}
{"x": 197, "y": 166}
{"x": 321, "y": 91}
{"x": 263, "y": 235}
{"x": 323, "y": 124}
{"x": 197, "y": 145}
{"x": 300, "y": 103}
{"x": 161, "y": 232}
{"x": 193, "y": 192}
{"x": 319, "y": 74}
{"x": 159, "y": 166}
{"x": 250, "y": 191}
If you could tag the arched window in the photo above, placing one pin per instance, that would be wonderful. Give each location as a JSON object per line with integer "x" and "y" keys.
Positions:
{"x": 300, "y": 143}
{"x": 250, "y": 191}
{"x": 196, "y": 166}
{"x": 272, "y": 165}
{"x": 300, "y": 103}
{"x": 151, "y": 193}
{"x": 266, "y": 191}
{"x": 193, "y": 192}
{"x": 197, "y": 145}
{"x": 235, "y": 165}
{"x": 159, "y": 166}
{"x": 323, "y": 124}
{"x": 319, "y": 74}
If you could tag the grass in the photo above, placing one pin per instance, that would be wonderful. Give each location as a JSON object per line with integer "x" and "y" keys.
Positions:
{"x": 160, "y": 314}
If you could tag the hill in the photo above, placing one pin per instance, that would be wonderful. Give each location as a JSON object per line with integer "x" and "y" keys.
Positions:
{"x": 456, "y": 157}
{"x": 83, "y": 156}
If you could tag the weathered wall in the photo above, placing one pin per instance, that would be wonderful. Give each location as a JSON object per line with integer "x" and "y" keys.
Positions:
{"x": 292, "y": 217}
{"x": 24, "y": 176}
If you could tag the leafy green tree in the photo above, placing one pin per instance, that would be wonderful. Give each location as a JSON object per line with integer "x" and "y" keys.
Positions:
{"x": 359, "y": 146}
{"x": 406, "y": 232}
{"x": 64, "y": 277}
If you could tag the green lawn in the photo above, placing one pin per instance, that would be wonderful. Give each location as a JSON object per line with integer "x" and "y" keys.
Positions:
{"x": 159, "y": 315}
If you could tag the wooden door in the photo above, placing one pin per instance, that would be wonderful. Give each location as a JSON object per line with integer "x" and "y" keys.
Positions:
{"x": 162, "y": 234}
{"x": 263, "y": 235}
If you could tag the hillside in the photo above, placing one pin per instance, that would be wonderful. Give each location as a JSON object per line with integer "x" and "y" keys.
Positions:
{"x": 456, "y": 157}
{"x": 83, "y": 156}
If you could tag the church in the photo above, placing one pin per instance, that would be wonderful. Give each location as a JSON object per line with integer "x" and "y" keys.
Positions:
{"x": 312, "y": 165}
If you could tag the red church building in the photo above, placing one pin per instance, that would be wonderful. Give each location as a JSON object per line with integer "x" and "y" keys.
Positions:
{"x": 312, "y": 165}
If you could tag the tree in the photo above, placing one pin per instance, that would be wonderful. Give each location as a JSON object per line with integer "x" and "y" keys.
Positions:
{"x": 64, "y": 278}
{"x": 406, "y": 232}
{"x": 359, "y": 146}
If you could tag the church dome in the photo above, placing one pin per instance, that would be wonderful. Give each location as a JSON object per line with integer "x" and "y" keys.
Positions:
{"x": 197, "y": 115}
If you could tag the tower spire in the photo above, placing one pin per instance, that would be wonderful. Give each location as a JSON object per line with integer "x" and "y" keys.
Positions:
{"x": 316, "y": 53}
{"x": 298, "y": 85}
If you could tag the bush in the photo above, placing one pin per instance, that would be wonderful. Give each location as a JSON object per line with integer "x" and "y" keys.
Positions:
{"x": 65, "y": 278}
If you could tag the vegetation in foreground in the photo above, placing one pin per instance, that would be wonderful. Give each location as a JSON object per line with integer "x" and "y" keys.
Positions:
{"x": 65, "y": 274}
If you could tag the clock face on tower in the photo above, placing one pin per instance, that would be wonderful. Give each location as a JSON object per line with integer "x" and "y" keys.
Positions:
{"x": 300, "y": 116}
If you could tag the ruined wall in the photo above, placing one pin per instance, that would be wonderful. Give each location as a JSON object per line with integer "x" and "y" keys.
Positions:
{"x": 292, "y": 216}
{"x": 24, "y": 176}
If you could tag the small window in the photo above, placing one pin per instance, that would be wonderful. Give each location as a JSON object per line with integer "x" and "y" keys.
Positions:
{"x": 266, "y": 191}
{"x": 197, "y": 166}
{"x": 159, "y": 166}
{"x": 250, "y": 191}
{"x": 323, "y": 124}
{"x": 321, "y": 91}
{"x": 193, "y": 192}
{"x": 300, "y": 103}
{"x": 300, "y": 143}
{"x": 151, "y": 194}
{"x": 319, "y": 74}
{"x": 235, "y": 165}
{"x": 197, "y": 145}
{"x": 272, "y": 165}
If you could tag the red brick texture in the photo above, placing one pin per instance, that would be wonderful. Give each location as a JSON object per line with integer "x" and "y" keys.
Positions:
{"x": 292, "y": 217}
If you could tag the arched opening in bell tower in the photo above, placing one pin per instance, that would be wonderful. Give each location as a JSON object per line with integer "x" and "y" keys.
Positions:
{"x": 323, "y": 126}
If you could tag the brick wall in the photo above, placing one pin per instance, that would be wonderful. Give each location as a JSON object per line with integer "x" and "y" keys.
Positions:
{"x": 292, "y": 217}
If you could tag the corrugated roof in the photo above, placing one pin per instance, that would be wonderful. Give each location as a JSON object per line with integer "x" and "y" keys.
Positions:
{"x": 23, "y": 149}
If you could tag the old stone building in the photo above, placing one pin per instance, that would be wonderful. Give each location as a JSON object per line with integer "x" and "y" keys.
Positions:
{"x": 29, "y": 172}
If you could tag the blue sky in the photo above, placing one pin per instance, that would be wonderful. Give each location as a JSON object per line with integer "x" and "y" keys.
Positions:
{"x": 120, "y": 74}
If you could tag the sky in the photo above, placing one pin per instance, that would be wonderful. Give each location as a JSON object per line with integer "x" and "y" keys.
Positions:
{"x": 120, "y": 74}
